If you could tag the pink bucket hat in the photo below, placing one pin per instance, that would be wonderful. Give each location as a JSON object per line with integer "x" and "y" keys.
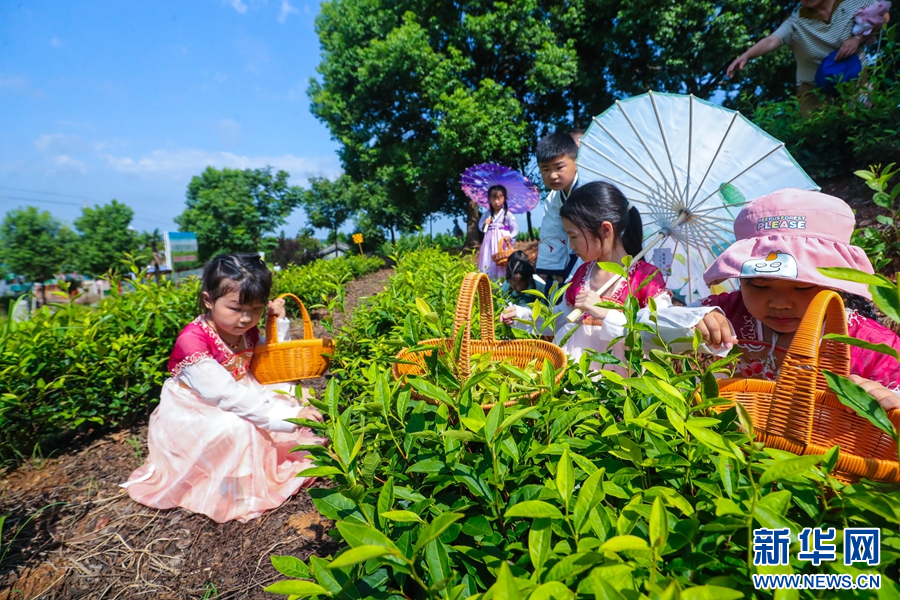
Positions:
{"x": 788, "y": 234}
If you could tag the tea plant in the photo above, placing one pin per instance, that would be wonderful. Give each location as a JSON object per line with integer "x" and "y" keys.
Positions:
{"x": 316, "y": 282}
{"x": 72, "y": 367}
{"x": 605, "y": 487}
{"x": 881, "y": 244}
{"x": 418, "y": 241}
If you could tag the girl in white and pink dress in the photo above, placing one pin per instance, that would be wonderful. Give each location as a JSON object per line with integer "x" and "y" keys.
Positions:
{"x": 218, "y": 441}
{"x": 602, "y": 227}
{"x": 498, "y": 224}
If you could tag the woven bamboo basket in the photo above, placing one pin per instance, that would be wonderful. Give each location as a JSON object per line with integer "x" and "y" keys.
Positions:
{"x": 504, "y": 250}
{"x": 800, "y": 414}
{"x": 280, "y": 362}
{"x": 518, "y": 352}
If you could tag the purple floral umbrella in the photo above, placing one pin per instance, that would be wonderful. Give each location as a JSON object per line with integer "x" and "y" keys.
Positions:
{"x": 521, "y": 195}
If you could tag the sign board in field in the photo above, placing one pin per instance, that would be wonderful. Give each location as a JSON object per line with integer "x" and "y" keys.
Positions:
{"x": 181, "y": 247}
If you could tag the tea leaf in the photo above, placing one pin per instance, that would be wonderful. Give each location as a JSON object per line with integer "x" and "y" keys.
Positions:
{"x": 788, "y": 468}
{"x": 505, "y": 586}
{"x": 319, "y": 472}
{"x": 602, "y": 589}
{"x": 856, "y": 276}
{"x": 659, "y": 524}
{"x": 623, "y": 543}
{"x": 357, "y": 555}
{"x": 364, "y": 535}
{"x": 291, "y": 566}
{"x": 852, "y": 341}
{"x": 831, "y": 458}
{"x": 429, "y": 390}
{"x": 297, "y": 588}
{"x": 401, "y": 516}
{"x": 534, "y": 509}
{"x": 493, "y": 420}
{"x": 342, "y": 440}
{"x": 853, "y": 396}
{"x": 386, "y": 498}
{"x": 539, "y": 537}
{"x": 553, "y": 590}
{"x": 565, "y": 478}
{"x": 589, "y": 496}
{"x": 710, "y": 592}
{"x": 434, "y": 529}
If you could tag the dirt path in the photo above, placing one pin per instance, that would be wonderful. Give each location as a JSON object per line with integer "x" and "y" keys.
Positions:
{"x": 72, "y": 533}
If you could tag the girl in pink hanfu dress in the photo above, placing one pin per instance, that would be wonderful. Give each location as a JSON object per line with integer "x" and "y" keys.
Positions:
{"x": 781, "y": 240}
{"x": 218, "y": 441}
{"x": 602, "y": 227}
{"x": 497, "y": 224}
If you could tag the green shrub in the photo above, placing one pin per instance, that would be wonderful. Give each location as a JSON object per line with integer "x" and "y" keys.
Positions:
{"x": 417, "y": 241}
{"x": 882, "y": 243}
{"x": 71, "y": 366}
{"x": 316, "y": 282}
{"x": 620, "y": 487}
{"x": 845, "y": 134}
{"x": 386, "y": 321}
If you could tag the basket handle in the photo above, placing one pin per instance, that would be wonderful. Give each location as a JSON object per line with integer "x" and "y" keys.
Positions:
{"x": 272, "y": 326}
{"x": 473, "y": 284}
{"x": 503, "y": 243}
{"x": 791, "y": 411}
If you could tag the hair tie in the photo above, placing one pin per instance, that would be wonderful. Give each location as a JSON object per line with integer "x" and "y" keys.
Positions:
{"x": 630, "y": 206}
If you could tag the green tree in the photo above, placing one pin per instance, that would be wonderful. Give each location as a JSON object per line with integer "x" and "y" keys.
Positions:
{"x": 416, "y": 93}
{"x": 35, "y": 245}
{"x": 329, "y": 203}
{"x": 105, "y": 238}
{"x": 232, "y": 210}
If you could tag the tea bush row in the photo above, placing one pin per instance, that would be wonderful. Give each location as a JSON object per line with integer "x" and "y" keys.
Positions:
{"x": 313, "y": 283}
{"x": 620, "y": 488}
{"x": 73, "y": 367}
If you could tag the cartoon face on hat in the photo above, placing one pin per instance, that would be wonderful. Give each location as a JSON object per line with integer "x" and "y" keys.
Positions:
{"x": 774, "y": 264}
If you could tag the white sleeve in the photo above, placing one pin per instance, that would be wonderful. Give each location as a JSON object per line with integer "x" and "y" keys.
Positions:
{"x": 215, "y": 386}
{"x": 675, "y": 322}
{"x": 283, "y": 327}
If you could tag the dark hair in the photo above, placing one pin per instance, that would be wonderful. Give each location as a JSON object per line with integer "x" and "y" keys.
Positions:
{"x": 226, "y": 273}
{"x": 860, "y": 305}
{"x": 518, "y": 265}
{"x": 593, "y": 203}
{"x": 498, "y": 188}
{"x": 556, "y": 144}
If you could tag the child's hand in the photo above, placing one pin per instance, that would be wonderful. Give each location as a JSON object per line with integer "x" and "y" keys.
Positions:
{"x": 488, "y": 221}
{"x": 508, "y": 316}
{"x": 309, "y": 413}
{"x": 886, "y": 398}
{"x": 586, "y": 300}
{"x": 276, "y": 308}
{"x": 716, "y": 330}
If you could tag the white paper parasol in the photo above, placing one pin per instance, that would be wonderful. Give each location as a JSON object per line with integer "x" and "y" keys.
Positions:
{"x": 688, "y": 166}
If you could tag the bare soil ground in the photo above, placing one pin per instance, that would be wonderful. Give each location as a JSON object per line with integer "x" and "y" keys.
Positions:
{"x": 72, "y": 533}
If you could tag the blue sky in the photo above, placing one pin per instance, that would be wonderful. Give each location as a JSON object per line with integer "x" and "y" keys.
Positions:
{"x": 128, "y": 100}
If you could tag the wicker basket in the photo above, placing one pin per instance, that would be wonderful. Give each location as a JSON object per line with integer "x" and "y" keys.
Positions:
{"x": 504, "y": 250}
{"x": 280, "y": 362}
{"x": 518, "y": 352}
{"x": 798, "y": 412}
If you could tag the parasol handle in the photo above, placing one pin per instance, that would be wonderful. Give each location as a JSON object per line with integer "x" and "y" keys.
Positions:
{"x": 576, "y": 314}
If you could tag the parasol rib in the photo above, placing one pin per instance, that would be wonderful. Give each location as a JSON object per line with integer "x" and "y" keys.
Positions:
{"x": 643, "y": 143}
{"x": 687, "y": 186}
{"x": 662, "y": 132}
{"x": 713, "y": 161}
{"x": 608, "y": 178}
{"x": 620, "y": 167}
{"x": 764, "y": 157}
{"x": 624, "y": 149}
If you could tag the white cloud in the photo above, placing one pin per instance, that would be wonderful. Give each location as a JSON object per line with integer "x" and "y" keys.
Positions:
{"x": 286, "y": 9}
{"x": 56, "y": 42}
{"x": 238, "y": 5}
{"x": 229, "y": 132}
{"x": 187, "y": 162}
{"x": 54, "y": 143}
{"x": 13, "y": 82}
{"x": 65, "y": 162}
